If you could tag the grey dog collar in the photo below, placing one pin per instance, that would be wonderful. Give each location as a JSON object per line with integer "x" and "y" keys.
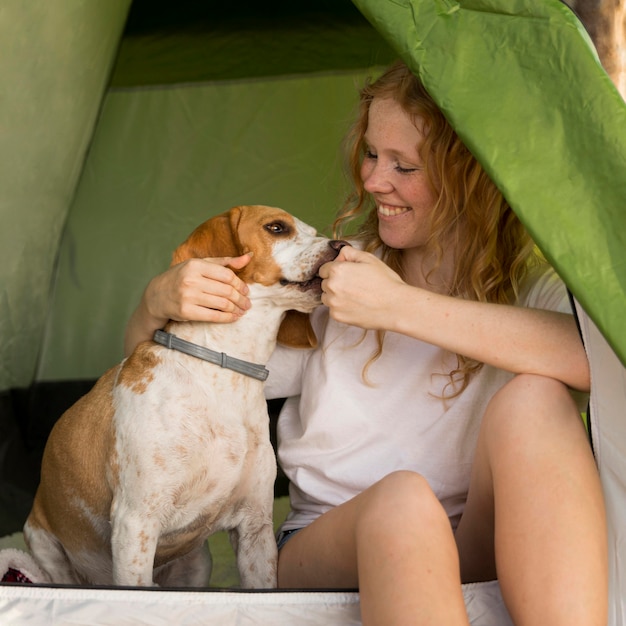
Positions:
{"x": 254, "y": 370}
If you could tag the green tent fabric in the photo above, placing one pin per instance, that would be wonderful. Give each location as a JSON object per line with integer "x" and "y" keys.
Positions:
{"x": 55, "y": 63}
{"x": 520, "y": 82}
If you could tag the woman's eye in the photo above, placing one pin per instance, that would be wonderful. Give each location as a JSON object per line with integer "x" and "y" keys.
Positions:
{"x": 405, "y": 170}
{"x": 369, "y": 154}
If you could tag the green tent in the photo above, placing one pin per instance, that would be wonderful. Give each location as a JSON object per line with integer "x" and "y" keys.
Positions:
{"x": 126, "y": 124}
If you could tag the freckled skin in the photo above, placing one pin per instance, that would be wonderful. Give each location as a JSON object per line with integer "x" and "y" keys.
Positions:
{"x": 167, "y": 449}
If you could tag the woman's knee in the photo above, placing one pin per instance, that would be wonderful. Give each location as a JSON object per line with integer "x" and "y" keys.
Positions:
{"x": 530, "y": 406}
{"x": 400, "y": 497}
{"x": 527, "y": 390}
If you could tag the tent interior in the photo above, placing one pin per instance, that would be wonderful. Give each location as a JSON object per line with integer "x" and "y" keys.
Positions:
{"x": 143, "y": 120}
{"x": 205, "y": 106}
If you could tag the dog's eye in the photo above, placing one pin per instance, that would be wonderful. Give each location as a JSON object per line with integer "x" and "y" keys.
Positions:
{"x": 277, "y": 228}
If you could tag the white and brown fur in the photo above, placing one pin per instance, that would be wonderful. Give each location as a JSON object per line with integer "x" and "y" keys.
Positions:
{"x": 168, "y": 449}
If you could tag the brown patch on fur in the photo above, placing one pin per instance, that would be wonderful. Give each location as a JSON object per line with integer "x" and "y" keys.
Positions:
{"x": 66, "y": 467}
{"x": 253, "y": 236}
{"x": 296, "y": 331}
{"x": 159, "y": 460}
{"x": 217, "y": 237}
{"x": 136, "y": 372}
{"x": 144, "y": 541}
{"x": 233, "y": 233}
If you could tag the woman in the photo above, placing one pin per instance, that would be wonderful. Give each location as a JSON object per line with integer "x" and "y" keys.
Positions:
{"x": 432, "y": 437}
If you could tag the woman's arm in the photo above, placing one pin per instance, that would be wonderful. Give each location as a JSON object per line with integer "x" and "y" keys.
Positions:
{"x": 203, "y": 290}
{"x": 369, "y": 294}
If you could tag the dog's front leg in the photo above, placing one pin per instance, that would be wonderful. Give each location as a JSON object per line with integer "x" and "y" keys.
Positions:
{"x": 133, "y": 545}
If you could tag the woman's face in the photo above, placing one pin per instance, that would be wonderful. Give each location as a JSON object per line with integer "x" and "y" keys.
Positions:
{"x": 392, "y": 172}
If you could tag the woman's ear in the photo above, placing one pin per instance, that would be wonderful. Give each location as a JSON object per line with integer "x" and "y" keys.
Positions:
{"x": 296, "y": 331}
{"x": 217, "y": 237}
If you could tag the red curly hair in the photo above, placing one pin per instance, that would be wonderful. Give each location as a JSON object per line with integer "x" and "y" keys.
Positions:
{"x": 493, "y": 249}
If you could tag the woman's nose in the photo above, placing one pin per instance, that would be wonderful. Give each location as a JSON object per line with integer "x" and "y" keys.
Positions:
{"x": 376, "y": 179}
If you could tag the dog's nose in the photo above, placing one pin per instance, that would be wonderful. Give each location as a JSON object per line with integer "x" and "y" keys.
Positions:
{"x": 337, "y": 244}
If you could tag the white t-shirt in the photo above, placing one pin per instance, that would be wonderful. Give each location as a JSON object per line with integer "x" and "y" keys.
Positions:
{"x": 338, "y": 435}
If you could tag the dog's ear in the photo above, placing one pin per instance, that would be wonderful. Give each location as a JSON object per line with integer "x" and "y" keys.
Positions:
{"x": 217, "y": 237}
{"x": 296, "y": 331}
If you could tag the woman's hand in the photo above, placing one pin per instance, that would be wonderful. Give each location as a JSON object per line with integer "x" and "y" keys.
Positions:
{"x": 201, "y": 290}
{"x": 360, "y": 289}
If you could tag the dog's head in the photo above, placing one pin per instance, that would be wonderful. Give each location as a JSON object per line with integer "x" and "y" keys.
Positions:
{"x": 286, "y": 257}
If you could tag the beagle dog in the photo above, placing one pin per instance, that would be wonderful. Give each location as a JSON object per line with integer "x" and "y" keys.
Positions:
{"x": 173, "y": 444}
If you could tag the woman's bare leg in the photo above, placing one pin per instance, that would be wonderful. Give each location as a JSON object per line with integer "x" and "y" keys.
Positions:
{"x": 535, "y": 486}
{"x": 394, "y": 543}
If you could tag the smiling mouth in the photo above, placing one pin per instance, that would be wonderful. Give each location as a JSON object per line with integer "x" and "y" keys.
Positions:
{"x": 391, "y": 211}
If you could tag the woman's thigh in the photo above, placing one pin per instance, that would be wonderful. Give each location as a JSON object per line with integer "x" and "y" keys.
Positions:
{"x": 321, "y": 555}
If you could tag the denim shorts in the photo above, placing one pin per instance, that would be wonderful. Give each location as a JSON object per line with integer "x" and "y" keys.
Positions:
{"x": 283, "y": 536}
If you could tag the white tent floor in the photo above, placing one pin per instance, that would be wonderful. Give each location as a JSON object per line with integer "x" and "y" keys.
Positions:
{"x": 40, "y": 605}
{"x": 33, "y": 605}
